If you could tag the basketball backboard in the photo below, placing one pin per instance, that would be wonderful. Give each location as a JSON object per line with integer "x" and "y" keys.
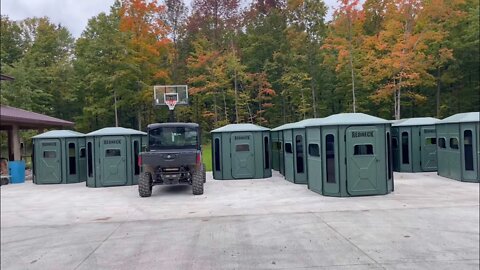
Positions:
{"x": 168, "y": 92}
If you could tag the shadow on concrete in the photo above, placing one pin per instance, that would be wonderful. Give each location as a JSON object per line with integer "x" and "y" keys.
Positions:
{"x": 172, "y": 190}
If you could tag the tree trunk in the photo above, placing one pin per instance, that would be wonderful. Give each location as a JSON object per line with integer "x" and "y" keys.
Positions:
{"x": 175, "y": 58}
{"x": 394, "y": 99}
{"x": 304, "y": 106}
{"x": 139, "y": 115}
{"x": 354, "y": 105}
{"x": 197, "y": 110}
{"x": 215, "y": 27}
{"x": 351, "y": 64}
{"x": 225, "y": 106}
{"x": 314, "y": 99}
{"x": 250, "y": 114}
{"x": 399, "y": 94}
{"x": 312, "y": 81}
{"x": 438, "y": 92}
{"x": 235, "y": 82}
{"x": 116, "y": 110}
{"x": 236, "y": 94}
{"x": 215, "y": 106}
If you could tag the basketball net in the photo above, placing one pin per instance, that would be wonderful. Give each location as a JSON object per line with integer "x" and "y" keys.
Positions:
{"x": 171, "y": 100}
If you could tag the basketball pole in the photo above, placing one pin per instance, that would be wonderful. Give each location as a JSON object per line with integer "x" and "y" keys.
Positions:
{"x": 171, "y": 116}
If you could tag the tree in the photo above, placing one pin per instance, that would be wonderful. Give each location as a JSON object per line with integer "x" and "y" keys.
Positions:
{"x": 215, "y": 20}
{"x": 176, "y": 17}
{"x": 149, "y": 47}
{"x": 11, "y": 43}
{"x": 344, "y": 38}
{"x": 202, "y": 83}
{"x": 104, "y": 73}
{"x": 273, "y": 63}
{"x": 39, "y": 58}
{"x": 461, "y": 78}
{"x": 307, "y": 18}
{"x": 264, "y": 95}
{"x": 435, "y": 19}
{"x": 260, "y": 45}
{"x": 395, "y": 57}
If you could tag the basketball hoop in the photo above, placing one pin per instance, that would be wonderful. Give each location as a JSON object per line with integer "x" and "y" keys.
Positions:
{"x": 171, "y": 100}
{"x": 170, "y": 95}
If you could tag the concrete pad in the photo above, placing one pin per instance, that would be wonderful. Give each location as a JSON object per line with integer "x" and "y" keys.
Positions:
{"x": 429, "y": 222}
{"x": 435, "y": 265}
{"x": 265, "y": 242}
{"x": 411, "y": 234}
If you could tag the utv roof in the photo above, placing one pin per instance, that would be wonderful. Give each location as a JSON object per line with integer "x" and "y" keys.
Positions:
{"x": 176, "y": 124}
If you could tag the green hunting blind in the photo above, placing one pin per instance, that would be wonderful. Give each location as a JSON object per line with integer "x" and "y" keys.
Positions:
{"x": 278, "y": 147}
{"x": 349, "y": 154}
{"x": 458, "y": 147}
{"x": 241, "y": 151}
{"x": 112, "y": 156}
{"x": 294, "y": 154}
{"x": 414, "y": 145}
{"x": 59, "y": 157}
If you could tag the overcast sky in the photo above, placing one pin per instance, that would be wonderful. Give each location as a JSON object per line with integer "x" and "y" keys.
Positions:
{"x": 73, "y": 14}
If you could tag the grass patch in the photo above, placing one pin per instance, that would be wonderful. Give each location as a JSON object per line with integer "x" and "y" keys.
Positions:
{"x": 207, "y": 156}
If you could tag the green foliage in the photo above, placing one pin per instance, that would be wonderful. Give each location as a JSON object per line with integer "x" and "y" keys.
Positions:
{"x": 207, "y": 156}
{"x": 102, "y": 70}
{"x": 275, "y": 62}
{"x": 11, "y": 43}
{"x": 42, "y": 70}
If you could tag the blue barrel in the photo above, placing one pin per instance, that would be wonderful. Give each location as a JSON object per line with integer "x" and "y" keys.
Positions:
{"x": 17, "y": 171}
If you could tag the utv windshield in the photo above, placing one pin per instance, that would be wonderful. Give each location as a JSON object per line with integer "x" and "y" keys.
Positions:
{"x": 173, "y": 137}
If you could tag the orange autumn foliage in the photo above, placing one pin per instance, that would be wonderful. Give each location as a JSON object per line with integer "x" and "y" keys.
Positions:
{"x": 142, "y": 20}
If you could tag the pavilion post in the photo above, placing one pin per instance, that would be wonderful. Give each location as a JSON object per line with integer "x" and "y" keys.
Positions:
{"x": 14, "y": 143}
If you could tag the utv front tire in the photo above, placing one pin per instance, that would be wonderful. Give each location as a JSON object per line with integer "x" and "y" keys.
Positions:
{"x": 197, "y": 181}
{"x": 145, "y": 185}
{"x": 204, "y": 170}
